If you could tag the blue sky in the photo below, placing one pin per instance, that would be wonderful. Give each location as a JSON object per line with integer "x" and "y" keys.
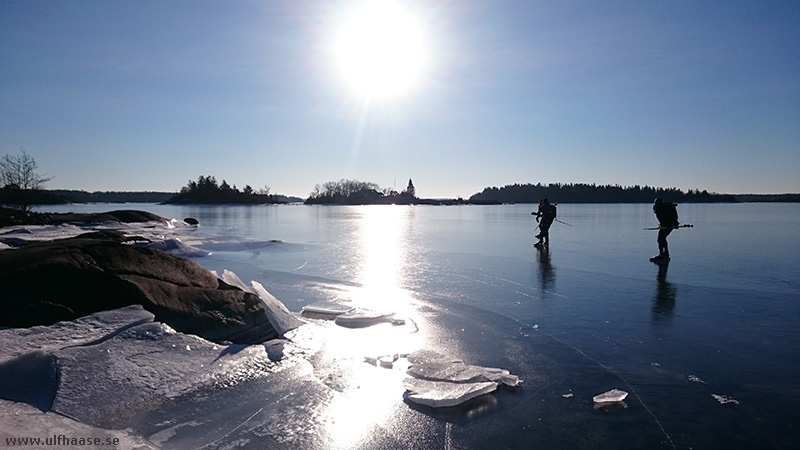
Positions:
{"x": 147, "y": 95}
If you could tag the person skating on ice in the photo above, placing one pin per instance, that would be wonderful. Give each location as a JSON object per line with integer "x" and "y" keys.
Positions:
{"x": 545, "y": 215}
{"x": 667, "y": 215}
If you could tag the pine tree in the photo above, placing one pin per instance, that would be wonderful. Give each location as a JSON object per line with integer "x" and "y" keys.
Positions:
{"x": 411, "y": 191}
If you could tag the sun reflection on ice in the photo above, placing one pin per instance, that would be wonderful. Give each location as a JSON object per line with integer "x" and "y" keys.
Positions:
{"x": 384, "y": 252}
{"x": 364, "y": 366}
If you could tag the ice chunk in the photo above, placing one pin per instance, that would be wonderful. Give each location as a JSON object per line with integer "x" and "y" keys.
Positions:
{"x": 614, "y": 395}
{"x": 430, "y": 365}
{"x": 696, "y": 379}
{"x": 387, "y": 360}
{"x": 277, "y": 313}
{"x": 280, "y": 317}
{"x": 326, "y": 309}
{"x": 723, "y": 399}
{"x": 440, "y": 381}
{"x": 359, "y": 318}
{"x": 234, "y": 280}
{"x": 442, "y": 393}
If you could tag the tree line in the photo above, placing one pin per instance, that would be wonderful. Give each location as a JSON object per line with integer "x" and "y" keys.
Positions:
{"x": 592, "y": 193}
{"x": 207, "y": 190}
{"x": 21, "y": 186}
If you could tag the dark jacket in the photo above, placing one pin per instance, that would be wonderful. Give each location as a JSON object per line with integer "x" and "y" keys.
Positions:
{"x": 666, "y": 213}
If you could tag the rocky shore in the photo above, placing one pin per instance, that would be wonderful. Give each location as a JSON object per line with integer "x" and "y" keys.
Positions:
{"x": 64, "y": 279}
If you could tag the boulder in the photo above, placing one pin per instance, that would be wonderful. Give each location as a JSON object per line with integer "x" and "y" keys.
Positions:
{"x": 42, "y": 283}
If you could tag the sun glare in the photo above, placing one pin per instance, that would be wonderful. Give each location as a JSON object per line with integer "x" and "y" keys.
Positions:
{"x": 380, "y": 50}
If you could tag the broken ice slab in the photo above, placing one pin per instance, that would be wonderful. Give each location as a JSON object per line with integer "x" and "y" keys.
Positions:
{"x": 277, "y": 313}
{"x": 387, "y": 360}
{"x": 325, "y": 310}
{"x": 614, "y": 395}
{"x": 433, "y": 366}
{"x": 442, "y": 393}
{"x": 441, "y": 381}
{"x": 723, "y": 399}
{"x": 360, "y": 318}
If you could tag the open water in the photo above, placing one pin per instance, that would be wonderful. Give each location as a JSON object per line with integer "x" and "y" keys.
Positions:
{"x": 708, "y": 346}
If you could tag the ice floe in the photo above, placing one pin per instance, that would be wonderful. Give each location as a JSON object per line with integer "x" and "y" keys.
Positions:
{"x": 359, "y": 317}
{"x": 440, "y": 381}
{"x": 696, "y": 379}
{"x": 614, "y": 395}
{"x": 440, "y": 394}
{"x": 325, "y": 310}
{"x": 724, "y": 399}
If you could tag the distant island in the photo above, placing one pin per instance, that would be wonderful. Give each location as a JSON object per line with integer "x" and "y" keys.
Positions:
{"x": 354, "y": 192}
{"x": 206, "y": 190}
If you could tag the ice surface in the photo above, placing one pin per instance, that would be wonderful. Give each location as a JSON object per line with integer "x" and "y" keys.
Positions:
{"x": 82, "y": 331}
{"x": 172, "y": 236}
{"x": 18, "y": 420}
{"x": 115, "y": 364}
{"x": 104, "y": 383}
{"x": 614, "y": 395}
{"x": 177, "y": 247}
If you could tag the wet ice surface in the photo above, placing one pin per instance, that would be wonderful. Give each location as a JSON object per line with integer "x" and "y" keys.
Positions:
{"x": 705, "y": 347}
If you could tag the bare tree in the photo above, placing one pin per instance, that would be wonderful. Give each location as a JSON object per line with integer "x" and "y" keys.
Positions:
{"x": 20, "y": 180}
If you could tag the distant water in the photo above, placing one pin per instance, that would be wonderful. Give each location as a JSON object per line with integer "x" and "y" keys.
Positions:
{"x": 708, "y": 345}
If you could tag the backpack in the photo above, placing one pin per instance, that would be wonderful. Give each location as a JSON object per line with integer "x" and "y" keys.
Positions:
{"x": 666, "y": 213}
{"x": 551, "y": 211}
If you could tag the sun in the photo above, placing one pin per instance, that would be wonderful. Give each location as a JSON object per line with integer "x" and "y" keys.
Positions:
{"x": 380, "y": 50}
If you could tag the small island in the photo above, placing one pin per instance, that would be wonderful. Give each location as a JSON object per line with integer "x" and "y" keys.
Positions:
{"x": 206, "y": 190}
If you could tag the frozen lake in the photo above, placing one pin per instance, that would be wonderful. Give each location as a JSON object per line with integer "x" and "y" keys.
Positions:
{"x": 707, "y": 346}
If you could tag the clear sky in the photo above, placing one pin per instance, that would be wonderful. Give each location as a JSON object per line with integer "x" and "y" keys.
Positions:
{"x": 146, "y": 95}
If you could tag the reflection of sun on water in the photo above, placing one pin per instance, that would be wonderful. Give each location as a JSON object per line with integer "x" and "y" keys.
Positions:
{"x": 373, "y": 393}
{"x": 382, "y": 248}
